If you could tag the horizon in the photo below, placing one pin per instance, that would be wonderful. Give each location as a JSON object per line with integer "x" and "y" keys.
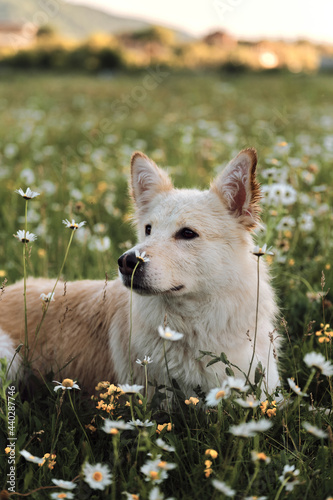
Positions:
{"x": 251, "y": 19}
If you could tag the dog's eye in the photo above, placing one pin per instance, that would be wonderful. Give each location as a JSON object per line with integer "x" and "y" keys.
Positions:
{"x": 186, "y": 234}
{"x": 148, "y": 229}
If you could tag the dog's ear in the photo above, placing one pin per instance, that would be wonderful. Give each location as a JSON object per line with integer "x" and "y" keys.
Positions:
{"x": 147, "y": 180}
{"x": 238, "y": 188}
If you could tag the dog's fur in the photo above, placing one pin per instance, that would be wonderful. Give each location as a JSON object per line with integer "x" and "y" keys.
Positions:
{"x": 205, "y": 286}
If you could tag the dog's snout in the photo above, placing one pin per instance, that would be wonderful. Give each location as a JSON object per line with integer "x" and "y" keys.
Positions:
{"x": 127, "y": 263}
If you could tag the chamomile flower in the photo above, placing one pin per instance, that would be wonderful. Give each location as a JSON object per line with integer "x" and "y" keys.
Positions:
{"x": 289, "y": 474}
{"x": 237, "y": 383}
{"x": 260, "y": 251}
{"x": 146, "y": 361}
{"x": 130, "y": 389}
{"x": 62, "y": 494}
{"x": 66, "y": 384}
{"x": 250, "y": 429}
{"x": 217, "y": 394}
{"x": 192, "y": 401}
{"x": 162, "y": 444}
{"x": 317, "y": 360}
{"x": 131, "y": 496}
{"x": 65, "y": 485}
{"x": 153, "y": 472}
{"x": 315, "y": 431}
{"x": 28, "y": 195}
{"x": 25, "y": 237}
{"x": 141, "y": 256}
{"x": 295, "y": 388}
{"x": 260, "y": 457}
{"x": 32, "y": 458}
{"x": 223, "y": 488}
{"x": 47, "y": 297}
{"x": 110, "y": 426}
{"x": 97, "y": 476}
{"x": 73, "y": 225}
{"x": 156, "y": 494}
{"x": 168, "y": 334}
{"x": 249, "y": 402}
{"x": 140, "y": 423}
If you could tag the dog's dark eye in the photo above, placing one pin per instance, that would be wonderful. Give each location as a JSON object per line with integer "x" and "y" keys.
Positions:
{"x": 148, "y": 229}
{"x": 186, "y": 234}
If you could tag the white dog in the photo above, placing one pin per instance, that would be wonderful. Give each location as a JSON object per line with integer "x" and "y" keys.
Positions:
{"x": 199, "y": 275}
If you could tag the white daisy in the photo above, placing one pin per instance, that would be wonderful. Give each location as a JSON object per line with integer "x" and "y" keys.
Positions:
{"x": 223, "y": 488}
{"x": 73, "y": 225}
{"x": 259, "y": 251}
{"x": 66, "y": 485}
{"x": 168, "y": 334}
{"x": 237, "y": 383}
{"x": 97, "y": 476}
{"x": 153, "y": 472}
{"x": 66, "y": 384}
{"x": 141, "y": 256}
{"x": 315, "y": 431}
{"x": 28, "y": 195}
{"x": 47, "y": 297}
{"x": 62, "y": 494}
{"x": 32, "y": 458}
{"x": 286, "y": 223}
{"x": 130, "y": 389}
{"x": 217, "y": 394}
{"x": 317, "y": 360}
{"x": 249, "y": 402}
{"x": 146, "y": 361}
{"x": 289, "y": 474}
{"x": 166, "y": 447}
{"x": 295, "y": 388}
{"x": 156, "y": 494}
{"x": 25, "y": 237}
{"x": 250, "y": 429}
{"x": 131, "y": 496}
{"x": 260, "y": 457}
{"x": 140, "y": 423}
{"x": 120, "y": 425}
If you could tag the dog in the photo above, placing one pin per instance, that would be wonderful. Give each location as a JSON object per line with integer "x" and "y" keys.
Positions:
{"x": 194, "y": 272}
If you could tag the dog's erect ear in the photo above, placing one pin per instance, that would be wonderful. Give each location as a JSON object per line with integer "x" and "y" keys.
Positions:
{"x": 147, "y": 180}
{"x": 238, "y": 188}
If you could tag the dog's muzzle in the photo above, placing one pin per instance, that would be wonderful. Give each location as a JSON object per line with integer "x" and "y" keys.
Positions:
{"x": 127, "y": 263}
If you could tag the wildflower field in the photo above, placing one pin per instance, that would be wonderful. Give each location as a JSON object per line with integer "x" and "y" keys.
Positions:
{"x": 70, "y": 138}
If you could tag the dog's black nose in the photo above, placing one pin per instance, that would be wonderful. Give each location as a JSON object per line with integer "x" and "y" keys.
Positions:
{"x": 127, "y": 263}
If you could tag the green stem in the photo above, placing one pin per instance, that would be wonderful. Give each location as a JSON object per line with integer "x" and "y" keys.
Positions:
{"x": 53, "y": 289}
{"x": 82, "y": 428}
{"x": 26, "y": 341}
{"x": 131, "y": 325}
{"x": 256, "y": 324}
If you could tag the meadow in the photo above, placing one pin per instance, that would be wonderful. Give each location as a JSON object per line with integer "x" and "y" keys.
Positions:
{"x": 70, "y": 138}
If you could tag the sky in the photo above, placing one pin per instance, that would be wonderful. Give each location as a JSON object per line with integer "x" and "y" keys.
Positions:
{"x": 287, "y": 19}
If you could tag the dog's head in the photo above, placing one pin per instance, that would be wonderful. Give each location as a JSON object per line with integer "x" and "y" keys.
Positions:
{"x": 190, "y": 241}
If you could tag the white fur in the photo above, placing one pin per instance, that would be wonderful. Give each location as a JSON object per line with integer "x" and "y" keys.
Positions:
{"x": 7, "y": 351}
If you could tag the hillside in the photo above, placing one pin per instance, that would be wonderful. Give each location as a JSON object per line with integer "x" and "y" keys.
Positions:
{"x": 74, "y": 21}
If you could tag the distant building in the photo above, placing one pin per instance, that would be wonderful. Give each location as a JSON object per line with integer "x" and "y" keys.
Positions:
{"x": 17, "y": 36}
{"x": 220, "y": 39}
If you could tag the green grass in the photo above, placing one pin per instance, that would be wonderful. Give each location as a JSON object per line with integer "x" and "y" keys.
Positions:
{"x": 70, "y": 138}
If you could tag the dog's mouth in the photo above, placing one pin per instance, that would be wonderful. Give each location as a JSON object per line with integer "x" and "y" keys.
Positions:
{"x": 144, "y": 289}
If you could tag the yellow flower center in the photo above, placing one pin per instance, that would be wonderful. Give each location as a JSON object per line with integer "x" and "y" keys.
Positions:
{"x": 114, "y": 431}
{"x": 168, "y": 334}
{"x": 153, "y": 474}
{"x": 162, "y": 464}
{"x": 67, "y": 382}
{"x": 261, "y": 456}
{"x": 97, "y": 476}
{"x": 62, "y": 495}
{"x": 220, "y": 395}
